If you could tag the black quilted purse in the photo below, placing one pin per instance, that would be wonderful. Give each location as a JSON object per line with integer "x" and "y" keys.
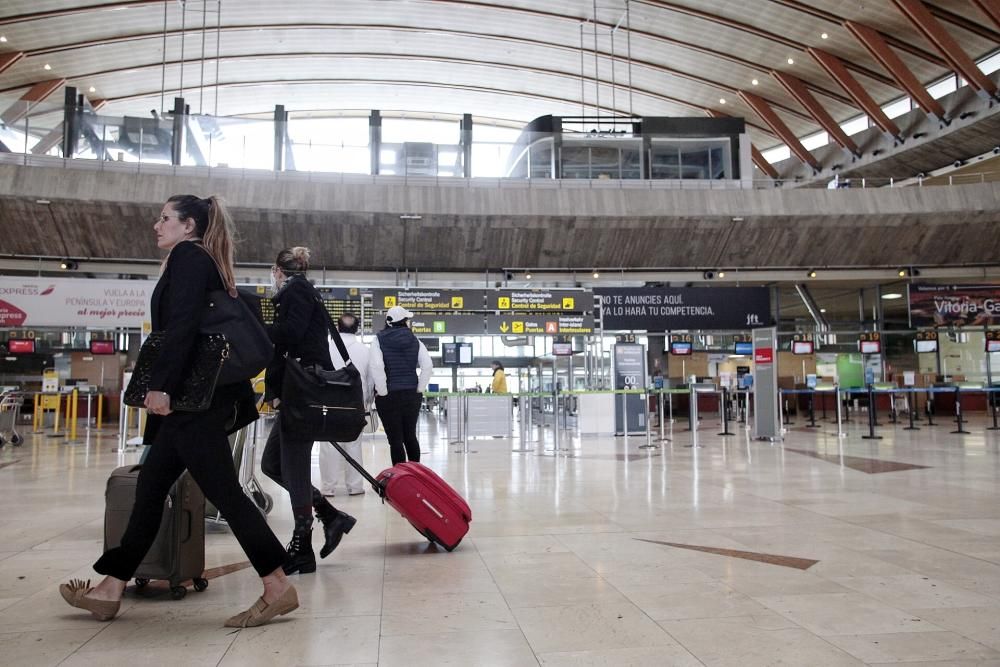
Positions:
{"x": 195, "y": 392}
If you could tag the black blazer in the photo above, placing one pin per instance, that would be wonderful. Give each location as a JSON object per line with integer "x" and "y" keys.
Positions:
{"x": 178, "y": 304}
{"x": 300, "y": 330}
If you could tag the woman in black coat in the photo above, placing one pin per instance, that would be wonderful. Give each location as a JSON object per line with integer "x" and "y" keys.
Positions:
{"x": 300, "y": 331}
{"x": 197, "y": 233}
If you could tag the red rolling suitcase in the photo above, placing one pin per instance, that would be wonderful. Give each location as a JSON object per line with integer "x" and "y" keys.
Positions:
{"x": 422, "y": 498}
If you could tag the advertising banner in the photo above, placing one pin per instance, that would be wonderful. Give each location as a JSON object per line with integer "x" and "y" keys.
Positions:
{"x": 74, "y": 302}
{"x": 954, "y": 305}
{"x": 681, "y": 308}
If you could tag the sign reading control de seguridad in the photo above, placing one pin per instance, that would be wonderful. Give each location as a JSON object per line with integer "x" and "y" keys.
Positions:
{"x": 679, "y": 308}
{"x": 540, "y": 300}
{"x": 416, "y": 300}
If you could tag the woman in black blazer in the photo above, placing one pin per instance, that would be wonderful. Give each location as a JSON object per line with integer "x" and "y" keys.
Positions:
{"x": 300, "y": 331}
{"x": 198, "y": 235}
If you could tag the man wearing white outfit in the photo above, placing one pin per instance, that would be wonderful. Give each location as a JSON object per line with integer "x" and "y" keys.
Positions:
{"x": 337, "y": 476}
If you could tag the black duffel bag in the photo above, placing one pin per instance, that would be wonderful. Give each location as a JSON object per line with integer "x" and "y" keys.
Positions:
{"x": 250, "y": 348}
{"x": 317, "y": 404}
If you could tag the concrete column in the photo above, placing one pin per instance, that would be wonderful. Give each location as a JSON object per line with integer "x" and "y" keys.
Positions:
{"x": 375, "y": 139}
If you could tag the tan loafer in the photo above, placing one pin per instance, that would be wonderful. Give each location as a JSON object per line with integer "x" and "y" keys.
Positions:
{"x": 75, "y": 594}
{"x": 261, "y": 612}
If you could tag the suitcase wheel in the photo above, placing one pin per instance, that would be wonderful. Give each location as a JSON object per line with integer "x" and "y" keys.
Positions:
{"x": 141, "y": 583}
{"x": 200, "y": 584}
{"x": 178, "y": 592}
{"x": 16, "y": 440}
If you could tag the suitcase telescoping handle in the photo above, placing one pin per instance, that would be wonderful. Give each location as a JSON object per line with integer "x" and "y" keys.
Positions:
{"x": 379, "y": 489}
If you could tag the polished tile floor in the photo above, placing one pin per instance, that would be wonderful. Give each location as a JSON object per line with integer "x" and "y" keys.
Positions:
{"x": 734, "y": 552}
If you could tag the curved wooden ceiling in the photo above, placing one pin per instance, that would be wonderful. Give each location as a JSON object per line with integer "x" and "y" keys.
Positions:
{"x": 513, "y": 60}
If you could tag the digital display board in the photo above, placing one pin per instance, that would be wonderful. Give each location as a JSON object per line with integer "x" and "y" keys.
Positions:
{"x": 870, "y": 346}
{"x": 993, "y": 346}
{"x": 681, "y": 348}
{"x": 743, "y": 348}
{"x": 456, "y": 354}
{"x": 562, "y": 349}
{"x": 21, "y": 346}
{"x": 927, "y": 345}
{"x": 802, "y": 347}
{"x": 102, "y": 347}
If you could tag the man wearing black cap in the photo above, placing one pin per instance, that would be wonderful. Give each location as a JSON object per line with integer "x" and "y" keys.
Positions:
{"x": 395, "y": 355}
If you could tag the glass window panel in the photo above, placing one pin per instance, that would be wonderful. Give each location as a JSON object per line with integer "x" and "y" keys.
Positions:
{"x": 815, "y": 141}
{"x": 855, "y": 125}
{"x": 541, "y": 161}
{"x": 777, "y": 154}
{"x": 575, "y": 161}
{"x": 604, "y": 162}
{"x": 942, "y": 88}
{"x": 897, "y": 108}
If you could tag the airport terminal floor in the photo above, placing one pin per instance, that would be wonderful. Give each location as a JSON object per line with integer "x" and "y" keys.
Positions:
{"x": 812, "y": 550}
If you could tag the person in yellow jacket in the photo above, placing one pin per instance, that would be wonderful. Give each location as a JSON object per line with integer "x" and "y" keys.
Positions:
{"x": 499, "y": 385}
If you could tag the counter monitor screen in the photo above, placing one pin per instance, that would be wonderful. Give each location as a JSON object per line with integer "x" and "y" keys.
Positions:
{"x": 562, "y": 349}
{"x": 680, "y": 349}
{"x": 456, "y": 354}
{"x": 927, "y": 346}
{"x": 991, "y": 345}
{"x": 102, "y": 347}
{"x": 871, "y": 346}
{"x": 743, "y": 348}
{"x": 21, "y": 346}
{"x": 802, "y": 347}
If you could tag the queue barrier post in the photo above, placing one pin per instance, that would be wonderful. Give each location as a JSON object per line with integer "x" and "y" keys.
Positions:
{"x": 871, "y": 416}
{"x": 37, "y": 416}
{"x": 649, "y": 435}
{"x": 958, "y": 412}
{"x": 840, "y": 422}
{"x": 913, "y": 408}
{"x": 725, "y": 412}
{"x": 100, "y": 410}
{"x": 55, "y": 425}
{"x": 991, "y": 401}
{"x": 812, "y": 411}
{"x": 929, "y": 407}
{"x": 71, "y": 413}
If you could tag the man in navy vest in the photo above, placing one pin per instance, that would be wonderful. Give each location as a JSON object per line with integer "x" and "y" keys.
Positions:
{"x": 395, "y": 355}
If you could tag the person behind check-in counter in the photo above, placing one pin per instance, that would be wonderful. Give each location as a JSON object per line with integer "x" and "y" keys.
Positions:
{"x": 394, "y": 357}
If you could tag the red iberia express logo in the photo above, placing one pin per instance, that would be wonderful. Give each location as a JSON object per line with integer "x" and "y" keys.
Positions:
{"x": 11, "y": 315}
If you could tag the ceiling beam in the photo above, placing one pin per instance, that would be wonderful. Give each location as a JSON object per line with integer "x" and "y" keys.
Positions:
{"x": 835, "y": 68}
{"x": 991, "y": 8}
{"x": 33, "y": 96}
{"x": 764, "y": 110}
{"x": 876, "y": 46}
{"x": 7, "y": 60}
{"x": 970, "y": 25}
{"x": 918, "y": 14}
{"x": 797, "y": 89}
{"x": 755, "y": 154}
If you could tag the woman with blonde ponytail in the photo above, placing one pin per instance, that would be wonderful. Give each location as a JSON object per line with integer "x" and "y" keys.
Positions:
{"x": 198, "y": 237}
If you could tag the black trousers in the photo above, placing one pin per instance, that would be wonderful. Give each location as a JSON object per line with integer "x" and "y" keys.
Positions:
{"x": 289, "y": 463}
{"x": 399, "y": 411}
{"x": 197, "y": 442}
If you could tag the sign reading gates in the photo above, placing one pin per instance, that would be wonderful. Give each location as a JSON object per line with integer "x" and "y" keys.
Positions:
{"x": 61, "y": 302}
{"x": 530, "y": 301}
{"x": 679, "y": 308}
{"x": 429, "y": 299}
{"x": 954, "y": 305}
{"x": 554, "y": 324}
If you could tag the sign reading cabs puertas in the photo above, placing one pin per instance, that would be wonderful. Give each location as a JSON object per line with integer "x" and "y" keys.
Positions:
{"x": 533, "y": 301}
{"x": 61, "y": 302}
{"x": 681, "y": 308}
{"x": 553, "y": 324}
{"x": 429, "y": 300}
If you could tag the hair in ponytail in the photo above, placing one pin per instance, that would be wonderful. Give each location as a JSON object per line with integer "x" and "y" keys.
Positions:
{"x": 214, "y": 226}
{"x": 293, "y": 261}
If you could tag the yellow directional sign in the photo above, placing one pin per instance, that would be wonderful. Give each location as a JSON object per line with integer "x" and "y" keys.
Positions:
{"x": 517, "y": 327}
{"x": 457, "y": 302}
{"x": 503, "y": 303}
{"x": 504, "y": 328}
{"x": 568, "y": 303}
{"x": 389, "y": 301}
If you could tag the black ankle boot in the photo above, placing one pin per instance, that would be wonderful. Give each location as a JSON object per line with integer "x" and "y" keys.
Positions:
{"x": 335, "y": 524}
{"x": 301, "y": 557}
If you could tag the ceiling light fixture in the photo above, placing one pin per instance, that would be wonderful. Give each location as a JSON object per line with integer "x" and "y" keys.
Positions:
{"x": 822, "y": 310}
{"x": 902, "y": 273}
{"x": 47, "y": 66}
{"x": 68, "y": 265}
{"x": 892, "y": 295}
{"x": 93, "y": 90}
{"x": 722, "y": 274}
{"x": 824, "y": 36}
{"x": 791, "y": 61}
{"x": 754, "y": 81}
{"x": 597, "y": 274}
{"x": 722, "y": 100}
{"x": 812, "y": 274}
{"x": 3, "y": 38}
{"x": 527, "y": 276}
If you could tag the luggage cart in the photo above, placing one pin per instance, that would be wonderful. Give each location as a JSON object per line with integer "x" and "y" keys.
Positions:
{"x": 10, "y": 410}
{"x": 244, "y": 448}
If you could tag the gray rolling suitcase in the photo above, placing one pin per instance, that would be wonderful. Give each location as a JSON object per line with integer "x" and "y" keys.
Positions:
{"x": 178, "y": 553}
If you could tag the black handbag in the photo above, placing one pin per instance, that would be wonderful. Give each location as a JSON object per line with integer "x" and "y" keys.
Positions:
{"x": 196, "y": 391}
{"x": 317, "y": 404}
{"x": 250, "y": 348}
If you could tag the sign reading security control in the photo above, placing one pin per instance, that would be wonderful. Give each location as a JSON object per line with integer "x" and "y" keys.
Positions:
{"x": 530, "y": 301}
{"x": 429, "y": 300}
{"x": 556, "y": 324}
